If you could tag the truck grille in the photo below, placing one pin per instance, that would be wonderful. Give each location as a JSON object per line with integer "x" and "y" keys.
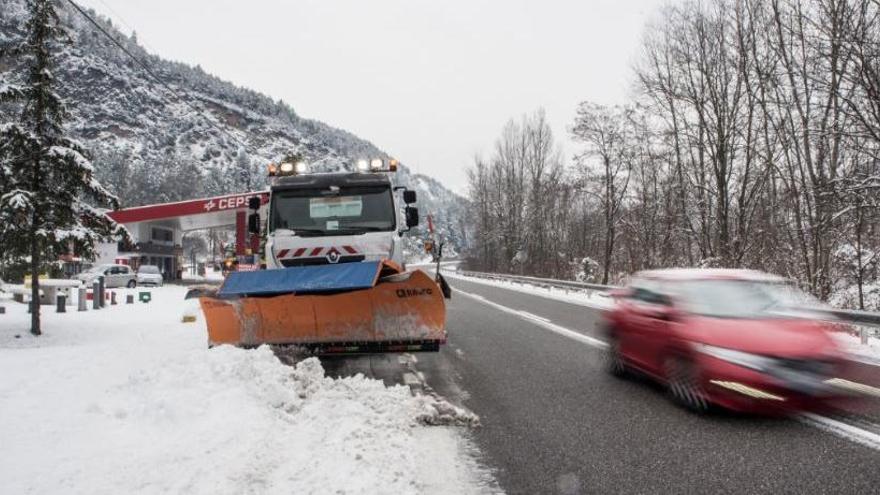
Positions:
{"x": 321, "y": 260}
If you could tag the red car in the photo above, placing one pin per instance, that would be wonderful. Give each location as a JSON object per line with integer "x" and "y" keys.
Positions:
{"x": 729, "y": 338}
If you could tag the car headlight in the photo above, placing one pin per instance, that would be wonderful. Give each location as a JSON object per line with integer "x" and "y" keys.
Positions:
{"x": 744, "y": 359}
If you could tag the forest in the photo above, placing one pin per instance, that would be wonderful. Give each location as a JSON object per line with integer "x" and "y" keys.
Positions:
{"x": 752, "y": 140}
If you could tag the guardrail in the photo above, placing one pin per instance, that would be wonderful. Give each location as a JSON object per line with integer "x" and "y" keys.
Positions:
{"x": 861, "y": 318}
{"x": 551, "y": 282}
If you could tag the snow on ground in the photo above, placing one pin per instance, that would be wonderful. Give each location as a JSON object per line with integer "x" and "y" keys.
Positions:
{"x": 128, "y": 399}
{"x": 209, "y": 276}
{"x": 869, "y": 353}
{"x": 590, "y": 299}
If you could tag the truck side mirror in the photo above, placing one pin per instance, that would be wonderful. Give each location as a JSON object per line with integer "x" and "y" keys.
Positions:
{"x": 412, "y": 216}
{"x": 254, "y": 202}
{"x": 254, "y": 223}
{"x": 409, "y": 197}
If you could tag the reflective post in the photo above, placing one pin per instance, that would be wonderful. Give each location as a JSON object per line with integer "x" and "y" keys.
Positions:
{"x": 96, "y": 304}
{"x": 81, "y": 299}
{"x": 101, "y": 291}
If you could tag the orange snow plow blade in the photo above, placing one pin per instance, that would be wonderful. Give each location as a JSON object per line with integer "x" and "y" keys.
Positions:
{"x": 329, "y": 309}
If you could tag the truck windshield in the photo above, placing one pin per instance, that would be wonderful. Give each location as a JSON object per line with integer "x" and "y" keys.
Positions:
{"x": 337, "y": 211}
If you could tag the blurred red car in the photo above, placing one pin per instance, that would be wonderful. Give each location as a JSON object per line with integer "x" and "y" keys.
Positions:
{"x": 730, "y": 338}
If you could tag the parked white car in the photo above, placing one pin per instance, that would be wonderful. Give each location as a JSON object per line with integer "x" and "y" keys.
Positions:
{"x": 114, "y": 276}
{"x": 149, "y": 275}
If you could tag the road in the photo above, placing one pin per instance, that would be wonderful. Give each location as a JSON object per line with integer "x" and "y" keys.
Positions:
{"x": 554, "y": 422}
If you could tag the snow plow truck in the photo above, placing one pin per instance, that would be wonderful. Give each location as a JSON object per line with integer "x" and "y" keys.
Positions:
{"x": 335, "y": 280}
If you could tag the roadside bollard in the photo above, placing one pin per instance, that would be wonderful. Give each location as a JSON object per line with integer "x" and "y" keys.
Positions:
{"x": 61, "y": 303}
{"x": 129, "y": 299}
{"x": 96, "y": 303}
{"x": 863, "y": 335}
{"x": 101, "y": 301}
{"x": 81, "y": 299}
{"x": 113, "y": 298}
{"x": 2, "y": 310}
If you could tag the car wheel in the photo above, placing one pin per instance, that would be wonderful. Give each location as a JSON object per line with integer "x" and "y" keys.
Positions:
{"x": 614, "y": 362}
{"x": 132, "y": 284}
{"x": 683, "y": 383}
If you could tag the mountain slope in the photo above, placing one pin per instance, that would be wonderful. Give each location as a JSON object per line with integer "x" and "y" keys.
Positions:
{"x": 149, "y": 145}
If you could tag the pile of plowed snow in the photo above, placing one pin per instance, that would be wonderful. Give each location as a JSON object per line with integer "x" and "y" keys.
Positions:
{"x": 128, "y": 399}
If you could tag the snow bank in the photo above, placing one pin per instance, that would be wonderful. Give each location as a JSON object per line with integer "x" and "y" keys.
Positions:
{"x": 129, "y": 400}
{"x": 210, "y": 276}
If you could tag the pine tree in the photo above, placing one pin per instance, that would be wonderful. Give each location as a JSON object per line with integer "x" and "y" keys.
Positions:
{"x": 47, "y": 187}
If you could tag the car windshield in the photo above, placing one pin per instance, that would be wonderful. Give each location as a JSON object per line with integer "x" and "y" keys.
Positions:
{"x": 149, "y": 269}
{"x": 740, "y": 298}
{"x": 334, "y": 211}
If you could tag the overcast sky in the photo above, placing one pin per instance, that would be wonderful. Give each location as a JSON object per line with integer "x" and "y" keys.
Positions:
{"x": 430, "y": 82}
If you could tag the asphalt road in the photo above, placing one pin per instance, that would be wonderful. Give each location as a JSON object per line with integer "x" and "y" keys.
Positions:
{"x": 554, "y": 422}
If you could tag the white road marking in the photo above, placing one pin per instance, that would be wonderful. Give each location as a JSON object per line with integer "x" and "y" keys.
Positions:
{"x": 540, "y": 321}
{"x": 841, "y": 429}
{"x": 532, "y": 316}
{"x": 833, "y": 426}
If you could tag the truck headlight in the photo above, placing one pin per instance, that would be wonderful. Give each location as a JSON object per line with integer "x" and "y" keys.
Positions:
{"x": 745, "y": 359}
{"x": 362, "y": 165}
{"x": 376, "y": 164}
{"x": 286, "y": 168}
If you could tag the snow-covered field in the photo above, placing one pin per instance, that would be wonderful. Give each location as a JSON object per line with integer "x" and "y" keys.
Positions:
{"x": 128, "y": 399}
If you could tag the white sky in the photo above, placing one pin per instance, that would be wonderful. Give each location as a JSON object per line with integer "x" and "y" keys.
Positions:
{"x": 430, "y": 82}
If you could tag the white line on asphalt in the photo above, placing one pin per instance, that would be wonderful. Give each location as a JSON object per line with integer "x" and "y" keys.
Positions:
{"x": 540, "y": 321}
{"x": 532, "y": 316}
{"x": 839, "y": 428}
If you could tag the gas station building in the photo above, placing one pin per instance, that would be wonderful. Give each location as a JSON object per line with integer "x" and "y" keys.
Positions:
{"x": 158, "y": 230}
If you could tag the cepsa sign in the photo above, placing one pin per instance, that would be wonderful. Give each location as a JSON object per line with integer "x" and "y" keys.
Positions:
{"x": 226, "y": 203}
{"x": 185, "y": 208}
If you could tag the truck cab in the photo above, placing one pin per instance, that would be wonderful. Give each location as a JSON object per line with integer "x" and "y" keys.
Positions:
{"x": 330, "y": 218}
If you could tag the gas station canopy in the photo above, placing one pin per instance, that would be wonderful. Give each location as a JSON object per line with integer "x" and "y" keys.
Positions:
{"x": 193, "y": 214}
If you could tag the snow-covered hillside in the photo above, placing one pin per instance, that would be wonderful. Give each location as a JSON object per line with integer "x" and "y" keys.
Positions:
{"x": 149, "y": 145}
